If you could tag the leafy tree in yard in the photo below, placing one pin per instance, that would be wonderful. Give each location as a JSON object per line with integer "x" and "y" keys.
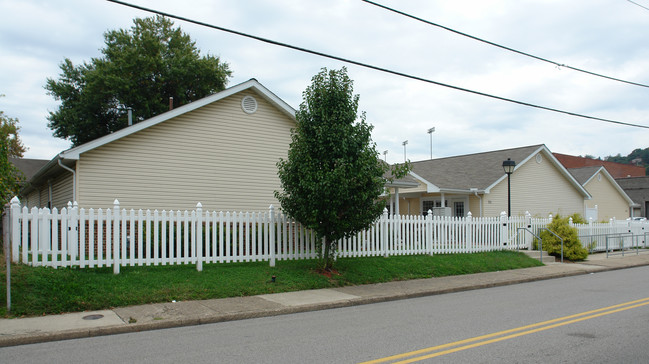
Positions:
{"x": 10, "y": 146}
{"x": 333, "y": 176}
{"x": 140, "y": 69}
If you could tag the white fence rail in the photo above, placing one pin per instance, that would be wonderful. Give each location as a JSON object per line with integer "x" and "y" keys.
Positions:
{"x": 117, "y": 237}
{"x": 613, "y": 235}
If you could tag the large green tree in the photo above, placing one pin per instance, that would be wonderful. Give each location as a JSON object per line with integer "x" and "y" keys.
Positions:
{"x": 9, "y": 133}
{"x": 10, "y": 146}
{"x": 333, "y": 176}
{"x": 140, "y": 68}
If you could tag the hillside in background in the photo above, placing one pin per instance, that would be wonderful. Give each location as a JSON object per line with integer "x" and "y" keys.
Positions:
{"x": 638, "y": 157}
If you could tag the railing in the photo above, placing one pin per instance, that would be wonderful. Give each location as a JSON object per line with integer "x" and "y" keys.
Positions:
{"x": 118, "y": 237}
{"x": 599, "y": 236}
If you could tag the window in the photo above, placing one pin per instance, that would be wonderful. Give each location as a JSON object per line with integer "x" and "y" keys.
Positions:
{"x": 458, "y": 208}
{"x": 427, "y": 205}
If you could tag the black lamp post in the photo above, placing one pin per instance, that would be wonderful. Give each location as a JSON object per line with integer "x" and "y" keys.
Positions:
{"x": 509, "y": 166}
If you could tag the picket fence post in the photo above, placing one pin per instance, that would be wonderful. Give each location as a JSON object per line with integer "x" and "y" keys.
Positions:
{"x": 429, "y": 232}
{"x": 469, "y": 235}
{"x": 504, "y": 234}
{"x": 528, "y": 237}
{"x": 199, "y": 237}
{"x": 271, "y": 234}
{"x": 384, "y": 232}
{"x": 116, "y": 237}
{"x": 15, "y": 229}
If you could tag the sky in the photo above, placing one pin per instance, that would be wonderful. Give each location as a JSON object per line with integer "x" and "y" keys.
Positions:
{"x": 609, "y": 37}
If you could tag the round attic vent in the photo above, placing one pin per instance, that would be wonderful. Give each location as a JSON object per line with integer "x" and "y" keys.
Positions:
{"x": 249, "y": 104}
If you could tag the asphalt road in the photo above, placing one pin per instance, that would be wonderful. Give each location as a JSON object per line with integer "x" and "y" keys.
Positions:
{"x": 596, "y": 318}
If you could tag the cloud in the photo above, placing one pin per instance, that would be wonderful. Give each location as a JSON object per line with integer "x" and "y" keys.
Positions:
{"x": 603, "y": 36}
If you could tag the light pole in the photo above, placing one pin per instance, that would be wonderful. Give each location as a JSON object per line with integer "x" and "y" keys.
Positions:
{"x": 431, "y": 131}
{"x": 385, "y": 156}
{"x": 405, "y": 142}
{"x": 509, "y": 166}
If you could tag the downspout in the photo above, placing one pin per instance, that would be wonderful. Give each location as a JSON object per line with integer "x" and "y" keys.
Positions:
{"x": 475, "y": 192}
{"x": 49, "y": 193}
{"x": 74, "y": 179}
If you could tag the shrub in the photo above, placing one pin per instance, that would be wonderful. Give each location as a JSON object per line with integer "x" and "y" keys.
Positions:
{"x": 572, "y": 248}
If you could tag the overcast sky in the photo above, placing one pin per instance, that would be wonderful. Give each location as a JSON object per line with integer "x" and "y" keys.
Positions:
{"x": 610, "y": 37}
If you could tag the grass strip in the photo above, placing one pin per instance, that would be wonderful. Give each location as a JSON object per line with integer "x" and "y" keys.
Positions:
{"x": 41, "y": 290}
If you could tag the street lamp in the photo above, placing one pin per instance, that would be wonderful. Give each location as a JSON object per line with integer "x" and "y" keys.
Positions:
{"x": 405, "y": 142}
{"x": 431, "y": 131}
{"x": 509, "y": 166}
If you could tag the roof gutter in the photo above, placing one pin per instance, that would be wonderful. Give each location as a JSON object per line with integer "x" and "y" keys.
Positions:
{"x": 74, "y": 178}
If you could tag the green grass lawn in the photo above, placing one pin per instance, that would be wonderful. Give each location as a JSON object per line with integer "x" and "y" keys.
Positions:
{"x": 38, "y": 290}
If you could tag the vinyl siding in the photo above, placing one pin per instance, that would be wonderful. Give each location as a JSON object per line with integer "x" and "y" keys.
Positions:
{"x": 539, "y": 188}
{"x": 610, "y": 204}
{"x": 62, "y": 190}
{"x": 217, "y": 155}
{"x": 474, "y": 206}
{"x": 409, "y": 206}
{"x": 33, "y": 199}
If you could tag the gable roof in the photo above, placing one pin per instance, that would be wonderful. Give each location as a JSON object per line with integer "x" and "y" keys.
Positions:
{"x": 65, "y": 159}
{"x": 28, "y": 166}
{"x": 617, "y": 170}
{"x": 253, "y": 84}
{"x": 586, "y": 174}
{"x": 481, "y": 171}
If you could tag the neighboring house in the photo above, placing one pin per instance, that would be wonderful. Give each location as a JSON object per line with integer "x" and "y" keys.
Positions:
{"x": 617, "y": 170}
{"x": 608, "y": 200}
{"x": 477, "y": 183}
{"x": 221, "y": 151}
{"x": 28, "y": 166}
{"x": 638, "y": 189}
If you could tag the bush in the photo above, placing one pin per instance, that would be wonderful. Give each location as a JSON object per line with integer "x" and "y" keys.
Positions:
{"x": 573, "y": 250}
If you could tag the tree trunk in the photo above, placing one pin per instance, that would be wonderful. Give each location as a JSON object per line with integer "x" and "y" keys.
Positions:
{"x": 327, "y": 253}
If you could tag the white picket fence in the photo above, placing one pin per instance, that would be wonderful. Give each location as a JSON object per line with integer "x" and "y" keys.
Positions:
{"x": 613, "y": 235}
{"x": 117, "y": 237}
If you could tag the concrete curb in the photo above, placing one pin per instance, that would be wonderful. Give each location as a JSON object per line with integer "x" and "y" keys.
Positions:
{"x": 581, "y": 269}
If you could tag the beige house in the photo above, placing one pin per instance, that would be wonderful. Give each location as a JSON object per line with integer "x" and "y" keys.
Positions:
{"x": 221, "y": 151}
{"x": 477, "y": 183}
{"x": 608, "y": 200}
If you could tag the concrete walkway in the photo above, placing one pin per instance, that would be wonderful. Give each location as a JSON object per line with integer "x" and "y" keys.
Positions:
{"x": 174, "y": 314}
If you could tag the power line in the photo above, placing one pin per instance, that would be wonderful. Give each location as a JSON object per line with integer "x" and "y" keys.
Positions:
{"x": 642, "y": 6}
{"x": 365, "y": 65}
{"x": 504, "y": 47}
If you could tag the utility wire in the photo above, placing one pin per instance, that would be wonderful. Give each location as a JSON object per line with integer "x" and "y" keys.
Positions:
{"x": 642, "y": 6}
{"x": 504, "y": 47}
{"x": 365, "y": 65}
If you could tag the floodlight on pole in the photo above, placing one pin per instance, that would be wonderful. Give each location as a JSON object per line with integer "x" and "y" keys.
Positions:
{"x": 431, "y": 131}
{"x": 385, "y": 156}
{"x": 405, "y": 142}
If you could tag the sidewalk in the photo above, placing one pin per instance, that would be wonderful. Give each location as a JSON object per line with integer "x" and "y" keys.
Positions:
{"x": 174, "y": 314}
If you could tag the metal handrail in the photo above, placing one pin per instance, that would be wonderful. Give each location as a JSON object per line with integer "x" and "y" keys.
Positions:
{"x": 536, "y": 236}
{"x": 560, "y": 238}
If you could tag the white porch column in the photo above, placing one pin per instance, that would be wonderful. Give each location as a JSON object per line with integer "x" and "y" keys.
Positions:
{"x": 443, "y": 200}
{"x": 396, "y": 196}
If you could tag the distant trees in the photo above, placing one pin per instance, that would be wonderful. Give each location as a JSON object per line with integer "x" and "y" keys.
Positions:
{"x": 140, "y": 68}
{"x": 636, "y": 157}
